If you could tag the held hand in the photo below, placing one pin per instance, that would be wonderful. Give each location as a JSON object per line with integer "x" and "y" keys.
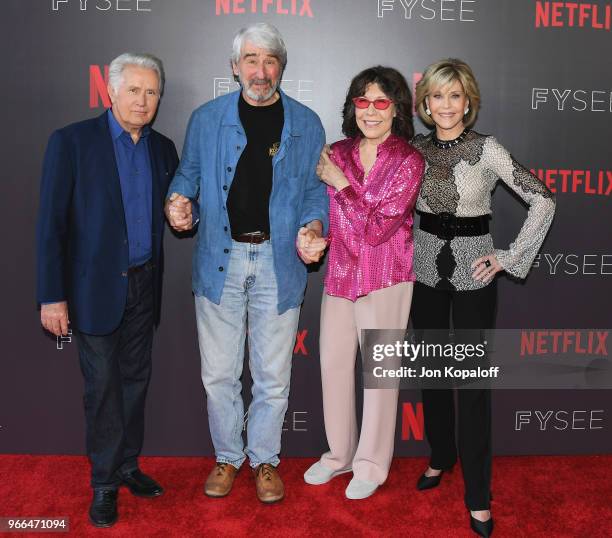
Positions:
{"x": 54, "y": 317}
{"x": 310, "y": 245}
{"x": 485, "y": 268}
{"x": 329, "y": 173}
{"x": 178, "y": 212}
{"x": 327, "y": 150}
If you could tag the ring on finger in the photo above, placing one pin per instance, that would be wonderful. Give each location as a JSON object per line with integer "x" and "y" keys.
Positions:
{"x": 487, "y": 263}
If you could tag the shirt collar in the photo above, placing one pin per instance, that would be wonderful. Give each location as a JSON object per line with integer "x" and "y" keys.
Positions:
{"x": 116, "y": 130}
{"x": 231, "y": 114}
{"x": 388, "y": 143}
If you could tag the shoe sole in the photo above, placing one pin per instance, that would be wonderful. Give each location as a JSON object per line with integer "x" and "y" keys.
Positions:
{"x": 216, "y": 495}
{"x": 103, "y": 525}
{"x": 273, "y": 501}
{"x": 360, "y": 498}
{"x": 425, "y": 488}
{"x": 334, "y": 475}
{"x": 144, "y": 495}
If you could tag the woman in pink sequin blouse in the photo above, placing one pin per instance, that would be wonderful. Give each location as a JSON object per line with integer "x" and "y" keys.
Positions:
{"x": 373, "y": 179}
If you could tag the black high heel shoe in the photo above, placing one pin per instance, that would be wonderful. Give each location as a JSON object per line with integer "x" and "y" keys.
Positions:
{"x": 482, "y": 528}
{"x": 428, "y": 482}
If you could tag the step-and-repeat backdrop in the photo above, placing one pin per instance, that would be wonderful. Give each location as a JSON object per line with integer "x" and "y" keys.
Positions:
{"x": 543, "y": 69}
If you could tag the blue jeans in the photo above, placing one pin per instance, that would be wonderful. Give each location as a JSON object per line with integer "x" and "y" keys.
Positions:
{"x": 249, "y": 298}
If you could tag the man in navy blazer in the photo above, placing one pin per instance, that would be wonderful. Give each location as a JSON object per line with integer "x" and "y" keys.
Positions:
{"x": 99, "y": 238}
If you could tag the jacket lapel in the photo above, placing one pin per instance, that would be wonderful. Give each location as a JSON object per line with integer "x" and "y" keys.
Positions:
{"x": 288, "y": 133}
{"x": 109, "y": 171}
{"x": 158, "y": 172}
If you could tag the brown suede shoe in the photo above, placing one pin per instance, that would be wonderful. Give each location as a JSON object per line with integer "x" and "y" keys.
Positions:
{"x": 270, "y": 488}
{"x": 220, "y": 480}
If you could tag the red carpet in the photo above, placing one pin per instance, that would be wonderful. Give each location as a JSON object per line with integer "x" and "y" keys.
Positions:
{"x": 553, "y": 496}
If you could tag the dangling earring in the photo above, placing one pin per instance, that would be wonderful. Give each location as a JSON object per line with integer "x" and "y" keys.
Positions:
{"x": 466, "y": 111}
{"x": 427, "y": 111}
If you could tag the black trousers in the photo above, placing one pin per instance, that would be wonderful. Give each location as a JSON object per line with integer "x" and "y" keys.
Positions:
{"x": 116, "y": 368}
{"x": 433, "y": 309}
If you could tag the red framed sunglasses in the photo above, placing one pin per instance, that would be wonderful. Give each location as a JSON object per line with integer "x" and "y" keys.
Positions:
{"x": 379, "y": 104}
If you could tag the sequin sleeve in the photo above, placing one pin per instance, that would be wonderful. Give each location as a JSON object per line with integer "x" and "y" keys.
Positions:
{"x": 377, "y": 221}
{"x": 517, "y": 259}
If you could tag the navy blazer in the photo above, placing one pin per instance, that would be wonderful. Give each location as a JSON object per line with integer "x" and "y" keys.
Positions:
{"x": 82, "y": 244}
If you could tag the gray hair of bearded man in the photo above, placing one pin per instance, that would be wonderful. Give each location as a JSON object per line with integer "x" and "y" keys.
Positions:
{"x": 262, "y": 35}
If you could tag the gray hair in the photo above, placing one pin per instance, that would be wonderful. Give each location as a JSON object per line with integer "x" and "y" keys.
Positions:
{"x": 148, "y": 61}
{"x": 262, "y": 35}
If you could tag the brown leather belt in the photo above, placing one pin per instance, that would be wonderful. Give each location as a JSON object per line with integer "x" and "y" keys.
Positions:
{"x": 251, "y": 237}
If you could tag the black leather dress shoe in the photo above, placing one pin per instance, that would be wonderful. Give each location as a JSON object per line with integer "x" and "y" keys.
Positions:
{"x": 482, "y": 528}
{"x": 103, "y": 509}
{"x": 141, "y": 485}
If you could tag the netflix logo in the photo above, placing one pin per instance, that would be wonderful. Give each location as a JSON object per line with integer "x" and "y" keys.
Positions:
{"x": 97, "y": 87}
{"x": 564, "y": 342}
{"x": 413, "y": 423}
{"x": 573, "y": 15}
{"x": 300, "y": 343}
{"x": 299, "y": 8}
{"x": 429, "y": 10}
{"x": 591, "y": 182}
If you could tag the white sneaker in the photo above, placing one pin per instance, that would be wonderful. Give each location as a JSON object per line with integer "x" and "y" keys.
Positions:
{"x": 360, "y": 489}
{"x": 318, "y": 474}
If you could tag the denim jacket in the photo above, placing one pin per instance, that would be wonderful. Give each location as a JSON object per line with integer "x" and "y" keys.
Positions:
{"x": 214, "y": 142}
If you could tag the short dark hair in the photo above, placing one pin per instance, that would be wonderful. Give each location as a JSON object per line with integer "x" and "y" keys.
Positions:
{"x": 395, "y": 87}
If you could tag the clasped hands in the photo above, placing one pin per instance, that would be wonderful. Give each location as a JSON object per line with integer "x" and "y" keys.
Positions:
{"x": 310, "y": 245}
{"x": 178, "y": 210}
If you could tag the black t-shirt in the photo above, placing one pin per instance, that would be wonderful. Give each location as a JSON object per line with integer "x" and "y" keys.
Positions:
{"x": 249, "y": 196}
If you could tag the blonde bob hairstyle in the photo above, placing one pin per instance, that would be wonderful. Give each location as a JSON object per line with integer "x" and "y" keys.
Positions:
{"x": 441, "y": 74}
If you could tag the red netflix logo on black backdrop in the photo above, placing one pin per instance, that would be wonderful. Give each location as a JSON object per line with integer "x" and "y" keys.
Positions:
{"x": 299, "y": 8}
{"x": 97, "y": 87}
{"x": 592, "y": 182}
{"x": 300, "y": 343}
{"x": 573, "y": 14}
{"x": 563, "y": 341}
{"x": 413, "y": 423}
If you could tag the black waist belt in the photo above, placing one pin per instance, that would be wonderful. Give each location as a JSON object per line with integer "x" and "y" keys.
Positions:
{"x": 448, "y": 226}
{"x": 251, "y": 237}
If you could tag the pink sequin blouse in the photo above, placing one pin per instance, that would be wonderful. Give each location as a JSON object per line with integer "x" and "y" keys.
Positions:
{"x": 370, "y": 221}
